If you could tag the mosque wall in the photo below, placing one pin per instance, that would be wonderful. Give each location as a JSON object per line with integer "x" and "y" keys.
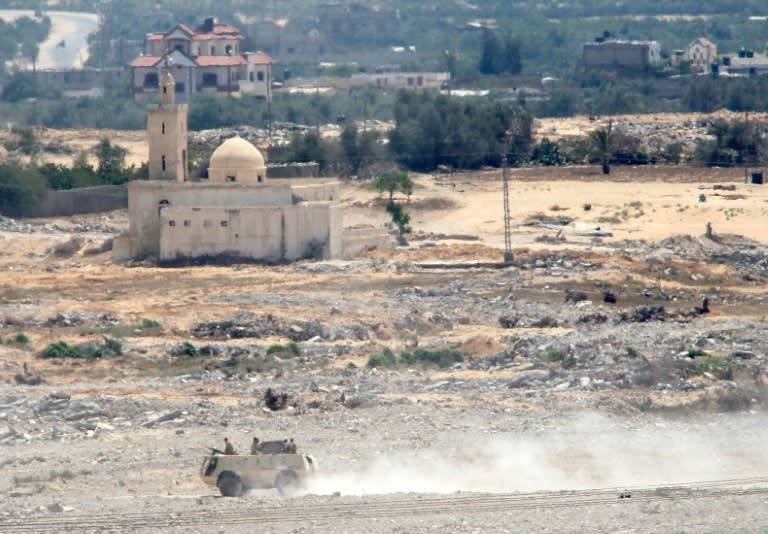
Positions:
{"x": 268, "y": 232}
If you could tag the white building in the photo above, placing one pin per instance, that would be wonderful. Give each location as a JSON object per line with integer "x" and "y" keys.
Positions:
{"x": 236, "y": 213}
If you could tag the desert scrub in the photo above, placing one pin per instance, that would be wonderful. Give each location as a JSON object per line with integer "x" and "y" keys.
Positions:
{"x": 149, "y": 324}
{"x": 721, "y": 368}
{"x": 386, "y": 358}
{"x": 286, "y": 351}
{"x": 440, "y": 357}
{"x": 19, "y": 339}
{"x": 555, "y": 356}
{"x": 186, "y": 349}
{"x": 60, "y": 349}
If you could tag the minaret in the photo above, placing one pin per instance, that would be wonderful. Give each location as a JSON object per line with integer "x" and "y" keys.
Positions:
{"x": 167, "y": 134}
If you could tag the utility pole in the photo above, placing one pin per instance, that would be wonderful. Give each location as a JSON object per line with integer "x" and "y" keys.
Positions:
{"x": 507, "y": 230}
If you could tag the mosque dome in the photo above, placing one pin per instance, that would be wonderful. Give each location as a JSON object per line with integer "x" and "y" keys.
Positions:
{"x": 237, "y": 160}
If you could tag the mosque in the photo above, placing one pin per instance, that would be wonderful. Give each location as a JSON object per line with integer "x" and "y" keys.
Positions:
{"x": 237, "y": 212}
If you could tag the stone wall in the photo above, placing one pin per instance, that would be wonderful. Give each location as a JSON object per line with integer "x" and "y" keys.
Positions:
{"x": 69, "y": 202}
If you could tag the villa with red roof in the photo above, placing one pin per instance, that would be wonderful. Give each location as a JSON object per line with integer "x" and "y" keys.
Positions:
{"x": 205, "y": 60}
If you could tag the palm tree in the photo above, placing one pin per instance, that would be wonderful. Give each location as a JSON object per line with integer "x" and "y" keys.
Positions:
{"x": 601, "y": 141}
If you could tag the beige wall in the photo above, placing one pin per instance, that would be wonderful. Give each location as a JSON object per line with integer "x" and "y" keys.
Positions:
{"x": 145, "y": 197}
{"x": 167, "y": 137}
{"x": 215, "y": 47}
{"x": 223, "y": 77}
{"x": 264, "y": 232}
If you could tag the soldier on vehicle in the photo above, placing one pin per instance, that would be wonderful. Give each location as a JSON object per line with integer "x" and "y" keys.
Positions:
{"x": 291, "y": 447}
{"x": 255, "y": 446}
{"x": 228, "y": 448}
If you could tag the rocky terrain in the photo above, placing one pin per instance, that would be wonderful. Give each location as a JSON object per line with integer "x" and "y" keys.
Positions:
{"x": 592, "y": 384}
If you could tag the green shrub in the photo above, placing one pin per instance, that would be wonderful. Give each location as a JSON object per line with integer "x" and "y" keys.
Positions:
{"x": 693, "y": 353}
{"x": 149, "y": 324}
{"x": 21, "y": 338}
{"x": 61, "y": 349}
{"x": 632, "y": 352}
{"x": 188, "y": 349}
{"x": 387, "y": 358}
{"x": 289, "y": 350}
{"x": 555, "y": 355}
{"x": 439, "y": 357}
{"x": 351, "y": 365}
{"x": 722, "y": 368}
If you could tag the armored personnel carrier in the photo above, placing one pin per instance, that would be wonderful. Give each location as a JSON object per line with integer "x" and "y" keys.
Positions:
{"x": 276, "y": 464}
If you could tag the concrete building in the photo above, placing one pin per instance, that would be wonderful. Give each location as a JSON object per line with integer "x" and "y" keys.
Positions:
{"x": 205, "y": 60}
{"x": 629, "y": 58}
{"x": 401, "y": 80}
{"x": 236, "y": 213}
{"x": 701, "y": 51}
{"x": 355, "y": 22}
{"x": 284, "y": 44}
{"x": 745, "y": 63}
{"x": 81, "y": 82}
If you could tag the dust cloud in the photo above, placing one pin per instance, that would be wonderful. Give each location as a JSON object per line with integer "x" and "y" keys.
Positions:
{"x": 590, "y": 452}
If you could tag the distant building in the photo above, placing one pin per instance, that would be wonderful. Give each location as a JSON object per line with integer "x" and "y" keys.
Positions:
{"x": 205, "y": 60}
{"x": 81, "y": 82}
{"x": 355, "y": 23}
{"x": 630, "y": 58}
{"x": 745, "y": 63}
{"x": 701, "y": 51}
{"x": 402, "y": 80}
{"x": 274, "y": 39}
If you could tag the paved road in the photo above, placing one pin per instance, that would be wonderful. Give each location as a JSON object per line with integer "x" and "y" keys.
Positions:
{"x": 71, "y": 27}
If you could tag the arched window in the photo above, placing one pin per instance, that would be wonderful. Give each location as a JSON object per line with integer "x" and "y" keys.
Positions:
{"x": 162, "y": 158}
{"x": 162, "y": 128}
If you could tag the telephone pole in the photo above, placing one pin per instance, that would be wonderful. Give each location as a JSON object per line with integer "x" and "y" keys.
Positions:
{"x": 507, "y": 230}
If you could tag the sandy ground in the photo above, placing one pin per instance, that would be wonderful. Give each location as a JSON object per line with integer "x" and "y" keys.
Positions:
{"x": 433, "y": 450}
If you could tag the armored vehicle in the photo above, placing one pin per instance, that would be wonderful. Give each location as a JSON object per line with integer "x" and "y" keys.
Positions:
{"x": 275, "y": 465}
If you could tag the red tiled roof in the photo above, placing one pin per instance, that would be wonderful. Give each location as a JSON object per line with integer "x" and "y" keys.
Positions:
{"x": 145, "y": 61}
{"x": 220, "y": 61}
{"x": 155, "y": 36}
{"x": 225, "y": 28}
{"x": 212, "y": 36}
{"x": 260, "y": 58}
{"x": 186, "y": 29}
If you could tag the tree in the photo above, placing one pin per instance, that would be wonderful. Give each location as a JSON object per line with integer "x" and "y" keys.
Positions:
{"x": 399, "y": 217}
{"x": 392, "y": 181}
{"x": 111, "y": 162}
{"x": 349, "y": 144}
{"x": 432, "y": 130}
{"x": 491, "y": 61}
{"x": 20, "y": 187}
{"x": 601, "y": 143}
{"x": 512, "y": 56}
{"x": 735, "y": 143}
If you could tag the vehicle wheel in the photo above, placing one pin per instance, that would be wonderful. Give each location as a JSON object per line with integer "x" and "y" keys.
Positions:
{"x": 231, "y": 486}
{"x": 286, "y": 482}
